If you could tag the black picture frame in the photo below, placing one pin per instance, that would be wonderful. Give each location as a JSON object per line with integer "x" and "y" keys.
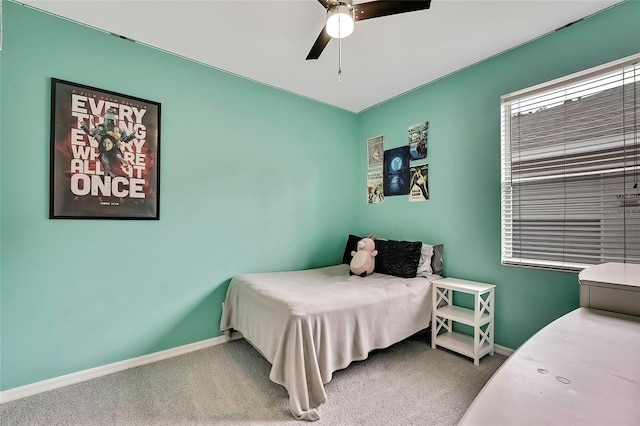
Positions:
{"x": 105, "y": 154}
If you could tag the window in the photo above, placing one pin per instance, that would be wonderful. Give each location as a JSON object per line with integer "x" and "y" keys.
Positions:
{"x": 570, "y": 157}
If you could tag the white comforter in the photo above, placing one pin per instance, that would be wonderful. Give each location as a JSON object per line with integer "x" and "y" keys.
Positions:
{"x": 310, "y": 323}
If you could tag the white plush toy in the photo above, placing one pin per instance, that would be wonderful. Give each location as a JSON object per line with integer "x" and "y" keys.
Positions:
{"x": 363, "y": 262}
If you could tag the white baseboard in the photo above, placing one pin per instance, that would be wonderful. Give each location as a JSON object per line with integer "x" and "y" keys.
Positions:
{"x": 502, "y": 350}
{"x": 92, "y": 373}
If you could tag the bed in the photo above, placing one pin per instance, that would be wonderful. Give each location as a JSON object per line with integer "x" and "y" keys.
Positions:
{"x": 313, "y": 322}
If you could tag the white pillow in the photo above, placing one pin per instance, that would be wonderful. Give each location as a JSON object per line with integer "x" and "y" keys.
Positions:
{"x": 424, "y": 265}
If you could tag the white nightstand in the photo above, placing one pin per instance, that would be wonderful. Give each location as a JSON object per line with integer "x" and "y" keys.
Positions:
{"x": 445, "y": 313}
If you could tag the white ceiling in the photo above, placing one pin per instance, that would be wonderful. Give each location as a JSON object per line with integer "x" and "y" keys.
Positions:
{"x": 268, "y": 40}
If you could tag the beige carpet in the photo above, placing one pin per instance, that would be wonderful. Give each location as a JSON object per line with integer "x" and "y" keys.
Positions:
{"x": 406, "y": 384}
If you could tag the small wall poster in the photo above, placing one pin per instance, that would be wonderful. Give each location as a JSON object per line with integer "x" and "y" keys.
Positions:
{"x": 375, "y": 151}
{"x": 419, "y": 183}
{"x": 375, "y": 192}
{"x": 418, "y": 139}
{"x": 396, "y": 171}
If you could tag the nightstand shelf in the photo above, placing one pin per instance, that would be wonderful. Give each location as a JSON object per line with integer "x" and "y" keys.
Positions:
{"x": 480, "y": 318}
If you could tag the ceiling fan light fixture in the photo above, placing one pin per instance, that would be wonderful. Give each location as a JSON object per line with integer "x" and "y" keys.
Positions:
{"x": 339, "y": 21}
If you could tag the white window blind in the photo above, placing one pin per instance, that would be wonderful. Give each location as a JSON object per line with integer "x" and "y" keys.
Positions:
{"x": 570, "y": 157}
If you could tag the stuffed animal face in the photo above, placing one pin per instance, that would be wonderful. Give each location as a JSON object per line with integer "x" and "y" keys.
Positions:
{"x": 366, "y": 244}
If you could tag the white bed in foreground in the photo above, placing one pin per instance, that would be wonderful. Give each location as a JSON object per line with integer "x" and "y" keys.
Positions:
{"x": 310, "y": 323}
{"x": 582, "y": 369}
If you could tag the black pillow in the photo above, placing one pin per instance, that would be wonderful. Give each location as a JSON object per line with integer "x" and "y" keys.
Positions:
{"x": 352, "y": 245}
{"x": 398, "y": 258}
{"x": 436, "y": 259}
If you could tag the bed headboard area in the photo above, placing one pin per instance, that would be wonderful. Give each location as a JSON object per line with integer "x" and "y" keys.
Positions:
{"x": 405, "y": 259}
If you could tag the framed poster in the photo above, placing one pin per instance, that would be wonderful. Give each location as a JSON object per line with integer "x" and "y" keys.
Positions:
{"x": 105, "y": 154}
{"x": 395, "y": 173}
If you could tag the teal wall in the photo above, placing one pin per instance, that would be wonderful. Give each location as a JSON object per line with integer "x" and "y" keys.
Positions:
{"x": 252, "y": 180}
{"x": 463, "y": 212}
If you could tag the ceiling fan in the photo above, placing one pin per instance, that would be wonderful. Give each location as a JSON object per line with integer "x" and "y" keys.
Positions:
{"x": 341, "y": 15}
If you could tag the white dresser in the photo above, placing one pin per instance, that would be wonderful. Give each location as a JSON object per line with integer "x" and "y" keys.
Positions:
{"x": 613, "y": 287}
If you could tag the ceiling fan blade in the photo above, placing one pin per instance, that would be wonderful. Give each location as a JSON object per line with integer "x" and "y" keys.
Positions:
{"x": 319, "y": 45}
{"x": 327, "y": 3}
{"x": 376, "y": 9}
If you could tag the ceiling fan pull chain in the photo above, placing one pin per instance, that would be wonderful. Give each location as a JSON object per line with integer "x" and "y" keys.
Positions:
{"x": 339, "y": 60}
